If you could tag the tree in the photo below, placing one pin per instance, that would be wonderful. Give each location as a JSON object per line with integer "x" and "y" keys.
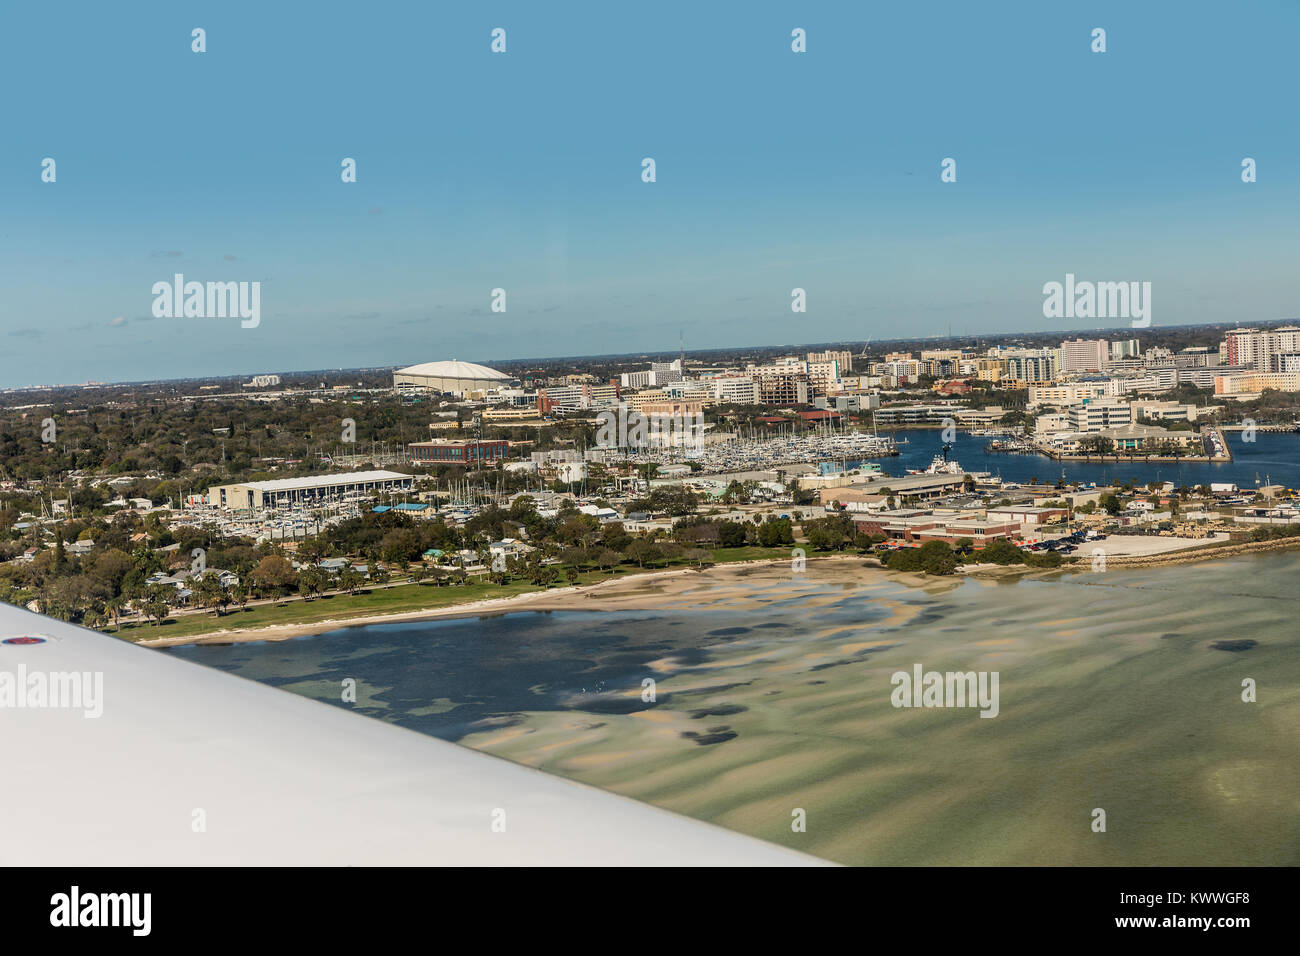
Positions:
{"x": 210, "y": 594}
{"x": 828, "y": 534}
{"x": 731, "y": 534}
{"x": 699, "y": 557}
{"x": 275, "y": 575}
{"x": 111, "y": 567}
{"x": 400, "y": 546}
{"x": 641, "y": 551}
{"x": 776, "y": 532}
{"x": 350, "y": 580}
{"x": 614, "y": 535}
{"x": 113, "y": 607}
{"x": 311, "y": 582}
{"x": 156, "y": 603}
{"x": 1001, "y": 552}
{"x": 933, "y": 557}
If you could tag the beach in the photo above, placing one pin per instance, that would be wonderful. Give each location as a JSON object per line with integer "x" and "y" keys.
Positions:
{"x": 645, "y": 591}
{"x": 714, "y": 586}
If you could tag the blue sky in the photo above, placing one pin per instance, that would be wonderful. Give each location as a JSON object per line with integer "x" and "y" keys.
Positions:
{"x": 522, "y": 171}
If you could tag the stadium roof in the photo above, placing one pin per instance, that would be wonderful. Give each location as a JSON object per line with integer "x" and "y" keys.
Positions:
{"x": 454, "y": 369}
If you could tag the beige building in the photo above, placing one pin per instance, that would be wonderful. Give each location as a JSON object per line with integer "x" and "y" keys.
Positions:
{"x": 1251, "y": 383}
{"x": 288, "y": 492}
{"x": 842, "y": 358}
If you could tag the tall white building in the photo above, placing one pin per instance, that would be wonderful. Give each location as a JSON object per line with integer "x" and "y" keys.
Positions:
{"x": 736, "y": 390}
{"x": 1124, "y": 349}
{"x": 1084, "y": 355}
{"x": 1031, "y": 365}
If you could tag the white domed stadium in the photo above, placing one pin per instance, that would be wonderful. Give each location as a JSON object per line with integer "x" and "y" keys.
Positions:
{"x": 459, "y": 378}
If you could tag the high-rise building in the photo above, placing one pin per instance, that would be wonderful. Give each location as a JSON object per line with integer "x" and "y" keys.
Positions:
{"x": 1261, "y": 350}
{"x": 1084, "y": 355}
{"x": 1031, "y": 366}
{"x": 843, "y": 358}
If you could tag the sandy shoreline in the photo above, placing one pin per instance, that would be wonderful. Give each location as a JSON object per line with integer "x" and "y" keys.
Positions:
{"x": 726, "y": 584}
{"x": 651, "y": 590}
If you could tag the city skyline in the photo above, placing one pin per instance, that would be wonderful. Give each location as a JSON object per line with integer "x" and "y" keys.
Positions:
{"x": 875, "y": 346}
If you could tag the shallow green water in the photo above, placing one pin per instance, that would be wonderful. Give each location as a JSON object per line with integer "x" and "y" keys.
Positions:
{"x": 1112, "y": 695}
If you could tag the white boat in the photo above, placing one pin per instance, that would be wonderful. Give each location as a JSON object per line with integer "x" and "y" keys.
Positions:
{"x": 939, "y": 466}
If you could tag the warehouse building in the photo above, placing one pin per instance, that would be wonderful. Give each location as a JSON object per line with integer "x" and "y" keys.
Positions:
{"x": 286, "y": 492}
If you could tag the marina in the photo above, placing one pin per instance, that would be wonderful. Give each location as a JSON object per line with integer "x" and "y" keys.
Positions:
{"x": 756, "y": 454}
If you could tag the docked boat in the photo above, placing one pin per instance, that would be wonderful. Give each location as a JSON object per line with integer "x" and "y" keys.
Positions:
{"x": 939, "y": 466}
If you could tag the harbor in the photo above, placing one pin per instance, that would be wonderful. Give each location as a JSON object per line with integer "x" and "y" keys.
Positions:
{"x": 760, "y": 453}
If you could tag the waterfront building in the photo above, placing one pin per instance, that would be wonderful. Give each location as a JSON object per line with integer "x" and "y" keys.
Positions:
{"x": 1098, "y": 414}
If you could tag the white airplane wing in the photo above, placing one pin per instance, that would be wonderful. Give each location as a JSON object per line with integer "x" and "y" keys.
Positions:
{"x": 187, "y": 765}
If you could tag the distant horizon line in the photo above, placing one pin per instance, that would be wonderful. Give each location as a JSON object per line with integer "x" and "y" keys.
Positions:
{"x": 826, "y": 345}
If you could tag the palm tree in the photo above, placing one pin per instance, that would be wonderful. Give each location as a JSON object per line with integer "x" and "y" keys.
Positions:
{"x": 114, "y": 607}
{"x": 350, "y": 580}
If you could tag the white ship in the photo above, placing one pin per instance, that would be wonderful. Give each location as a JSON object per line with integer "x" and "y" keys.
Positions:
{"x": 939, "y": 466}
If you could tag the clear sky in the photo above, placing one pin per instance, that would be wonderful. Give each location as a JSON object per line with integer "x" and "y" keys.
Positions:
{"x": 522, "y": 171}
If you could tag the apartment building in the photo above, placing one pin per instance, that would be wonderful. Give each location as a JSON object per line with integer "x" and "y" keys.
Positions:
{"x": 657, "y": 375}
{"x": 576, "y": 397}
{"x": 1069, "y": 393}
{"x": 1031, "y": 366}
{"x": 1084, "y": 355}
{"x": 1262, "y": 350}
{"x": 1154, "y": 380}
{"x": 844, "y": 359}
{"x": 1125, "y": 349}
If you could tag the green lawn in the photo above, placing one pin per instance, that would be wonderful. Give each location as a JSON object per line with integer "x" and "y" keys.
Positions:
{"x": 392, "y": 600}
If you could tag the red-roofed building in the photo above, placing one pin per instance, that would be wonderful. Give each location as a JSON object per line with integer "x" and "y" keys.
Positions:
{"x": 821, "y": 415}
